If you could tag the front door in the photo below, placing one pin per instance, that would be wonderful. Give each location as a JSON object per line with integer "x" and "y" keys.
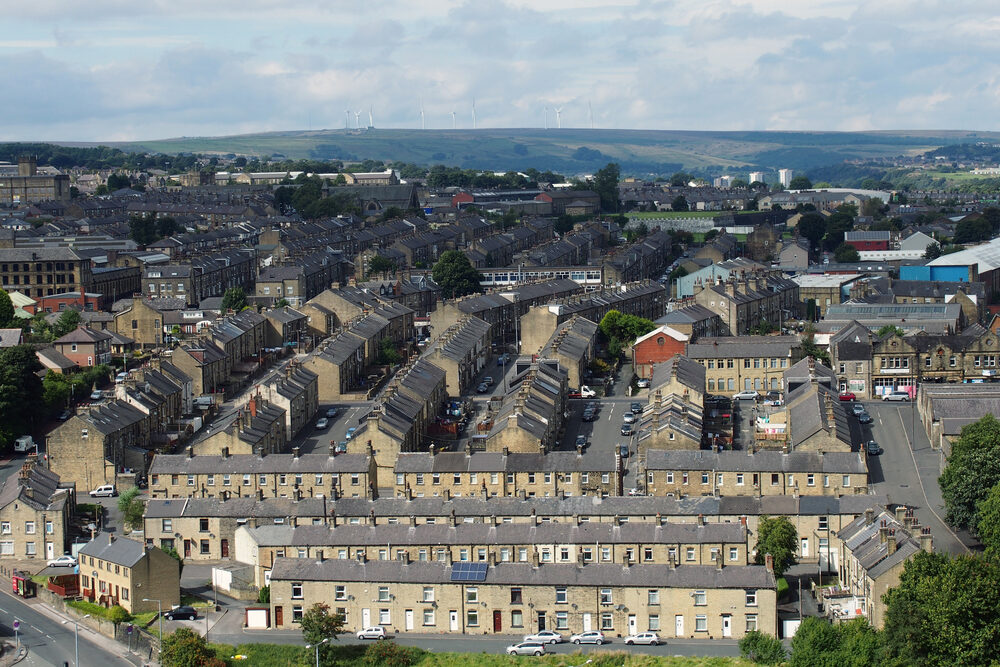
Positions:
{"x": 278, "y": 617}
{"x": 727, "y": 625}
{"x": 50, "y": 550}
{"x": 187, "y": 548}
{"x": 453, "y": 620}
{"x": 586, "y": 622}
{"x": 633, "y": 624}
{"x": 678, "y": 626}
{"x": 541, "y": 621}
{"x": 804, "y": 547}
{"x": 225, "y": 548}
{"x": 409, "y": 619}
{"x": 366, "y": 618}
{"x": 497, "y": 621}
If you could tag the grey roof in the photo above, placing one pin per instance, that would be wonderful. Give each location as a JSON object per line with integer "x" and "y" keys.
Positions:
{"x": 37, "y": 486}
{"x": 864, "y": 541}
{"x": 117, "y": 550}
{"x": 238, "y": 464}
{"x": 688, "y": 315}
{"x": 763, "y": 461}
{"x": 688, "y": 373}
{"x": 504, "y": 574}
{"x": 742, "y": 346}
{"x": 459, "y": 462}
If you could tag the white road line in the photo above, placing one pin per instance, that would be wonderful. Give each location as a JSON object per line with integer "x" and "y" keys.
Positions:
{"x": 4, "y": 611}
{"x": 40, "y": 631}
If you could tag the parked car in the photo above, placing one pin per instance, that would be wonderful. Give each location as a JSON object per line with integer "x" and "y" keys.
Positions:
{"x": 482, "y": 388}
{"x": 626, "y": 429}
{"x": 526, "y": 648}
{"x": 865, "y": 418}
{"x": 488, "y": 380}
{"x": 105, "y": 491}
{"x": 331, "y": 413}
{"x": 182, "y": 613}
{"x": 634, "y": 491}
{"x": 350, "y": 433}
{"x": 374, "y": 632}
{"x": 872, "y": 448}
{"x": 322, "y": 423}
{"x": 592, "y": 637}
{"x": 581, "y": 440}
{"x": 643, "y": 383}
{"x": 628, "y": 418}
{"x": 636, "y": 408}
{"x": 623, "y": 450}
{"x": 589, "y": 415}
{"x": 96, "y": 395}
{"x": 503, "y": 359}
{"x": 848, "y": 396}
{"x": 896, "y": 396}
{"x": 857, "y": 409}
{"x": 649, "y": 638}
{"x": 63, "y": 561}
{"x": 64, "y": 415}
{"x": 745, "y": 396}
{"x": 544, "y": 637}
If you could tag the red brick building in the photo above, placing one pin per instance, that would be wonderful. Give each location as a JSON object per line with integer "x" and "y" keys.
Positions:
{"x": 657, "y": 346}
{"x": 85, "y": 347}
{"x": 56, "y": 303}
{"x": 875, "y": 240}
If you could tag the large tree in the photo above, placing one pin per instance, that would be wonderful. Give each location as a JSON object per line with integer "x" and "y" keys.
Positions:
{"x": 818, "y": 643}
{"x": 6, "y": 310}
{"x": 776, "y": 536}
{"x": 988, "y": 524}
{"x": 455, "y": 275}
{"x": 319, "y": 624}
{"x": 186, "y": 648}
{"x": 234, "y": 299}
{"x": 379, "y": 265}
{"x": 800, "y": 183}
{"x": 605, "y": 184}
{"x": 680, "y": 203}
{"x": 973, "y": 469}
{"x": 846, "y": 253}
{"x": 21, "y": 401}
{"x": 68, "y": 321}
{"x": 813, "y": 227}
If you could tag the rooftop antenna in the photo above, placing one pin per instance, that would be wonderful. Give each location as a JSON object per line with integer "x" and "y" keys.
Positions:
{"x": 473, "y": 113}
{"x": 371, "y": 116}
{"x": 453, "y": 120}
{"x": 545, "y": 117}
{"x": 558, "y": 111}
{"x": 347, "y": 125}
{"x": 422, "y": 115}
{"x": 357, "y": 120}
{"x": 590, "y": 110}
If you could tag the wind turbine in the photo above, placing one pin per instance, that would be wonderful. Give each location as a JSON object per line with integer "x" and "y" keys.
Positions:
{"x": 357, "y": 120}
{"x": 558, "y": 111}
{"x": 453, "y": 120}
{"x": 347, "y": 125}
{"x": 590, "y": 110}
{"x": 473, "y": 113}
{"x": 545, "y": 117}
{"x": 422, "y": 115}
{"x": 371, "y": 116}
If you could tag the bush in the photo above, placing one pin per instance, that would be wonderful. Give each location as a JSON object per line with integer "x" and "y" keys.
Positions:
{"x": 762, "y": 649}
{"x": 782, "y": 587}
{"x": 391, "y": 654}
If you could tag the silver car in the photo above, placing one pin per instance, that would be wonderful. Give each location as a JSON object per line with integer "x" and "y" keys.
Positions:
{"x": 526, "y": 648}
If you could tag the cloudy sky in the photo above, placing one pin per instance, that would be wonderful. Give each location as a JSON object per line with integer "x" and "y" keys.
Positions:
{"x": 121, "y": 69}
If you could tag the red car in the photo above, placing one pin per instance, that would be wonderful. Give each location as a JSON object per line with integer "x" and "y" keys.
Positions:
{"x": 848, "y": 396}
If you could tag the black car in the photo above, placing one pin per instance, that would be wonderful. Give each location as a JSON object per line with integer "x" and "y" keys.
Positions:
{"x": 589, "y": 415}
{"x": 865, "y": 418}
{"x": 636, "y": 408}
{"x": 872, "y": 448}
{"x": 626, "y": 429}
{"x": 182, "y": 613}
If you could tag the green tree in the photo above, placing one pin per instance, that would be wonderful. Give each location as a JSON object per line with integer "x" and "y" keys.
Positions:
{"x": 455, "y": 275}
{"x": 118, "y": 181}
{"x": 605, "y": 184}
{"x": 281, "y": 303}
{"x": 846, "y": 253}
{"x": 809, "y": 346}
{"x": 380, "y": 265}
{"x": 101, "y": 190}
{"x": 119, "y": 615}
{"x": 973, "y": 230}
{"x": 889, "y": 330}
{"x": 973, "y": 469}
{"x": 68, "y": 321}
{"x": 264, "y": 595}
{"x": 762, "y": 649}
{"x": 620, "y": 330}
{"x": 818, "y": 643}
{"x": 319, "y": 624}
{"x": 185, "y": 648}
{"x": 813, "y": 227}
{"x": 234, "y": 299}
{"x": 387, "y": 353}
{"x": 933, "y": 250}
{"x": 680, "y": 203}
{"x": 6, "y": 310}
{"x": 132, "y": 507}
{"x": 21, "y": 401}
{"x": 800, "y": 183}
{"x": 988, "y": 524}
{"x": 776, "y": 536}
{"x": 680, "y": 179}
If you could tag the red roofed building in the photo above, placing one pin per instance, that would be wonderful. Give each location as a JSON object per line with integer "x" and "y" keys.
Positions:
{"x": 657, "y": 346}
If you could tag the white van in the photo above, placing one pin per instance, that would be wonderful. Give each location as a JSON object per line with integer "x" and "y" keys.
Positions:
{"x": 24, "y": 444}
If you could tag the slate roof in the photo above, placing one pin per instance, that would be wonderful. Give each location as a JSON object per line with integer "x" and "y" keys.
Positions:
{"x": 239, "y": 464}
{"x": 689, "y": 373}
{"x": 117, "y": 550}
{"x": 84, "y": 335}
{"x": 763, "y": 461}
{"x": 38, "y": 487}
{"x": 864, "y": 541}
{"x": 742, "y": 346}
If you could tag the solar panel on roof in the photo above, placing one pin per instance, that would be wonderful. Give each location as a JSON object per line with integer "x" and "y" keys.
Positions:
{"x": 469, "y": 571}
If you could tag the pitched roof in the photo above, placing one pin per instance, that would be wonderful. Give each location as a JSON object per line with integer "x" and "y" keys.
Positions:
{"x": 117, "y": 550}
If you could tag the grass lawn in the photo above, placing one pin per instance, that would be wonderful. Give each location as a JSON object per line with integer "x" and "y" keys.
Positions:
{"x": 144, "y": 619}
{"x": 195, "y": 601}
{"x": 782, "y": 587}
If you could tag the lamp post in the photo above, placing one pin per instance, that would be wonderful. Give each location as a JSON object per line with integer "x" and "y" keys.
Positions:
{"x": 159, "y": 618}
{"x": 76, "y": 639}
{"x": 316, "y": 646}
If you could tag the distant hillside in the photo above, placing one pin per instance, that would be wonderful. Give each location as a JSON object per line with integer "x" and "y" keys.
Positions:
{"x": 575, "y": 151}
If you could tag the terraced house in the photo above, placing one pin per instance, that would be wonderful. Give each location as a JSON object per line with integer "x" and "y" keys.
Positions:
{"x": 530, "y": 415}
{"x": 462, "y": 351}
{"x": 35, "y": 514}
{"x": 745, "y": 363}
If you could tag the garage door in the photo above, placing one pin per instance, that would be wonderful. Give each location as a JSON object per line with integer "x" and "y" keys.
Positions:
{"x": 257, "y": 619}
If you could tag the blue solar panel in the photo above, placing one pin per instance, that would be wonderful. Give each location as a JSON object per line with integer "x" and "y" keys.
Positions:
{"x": 465, "y": 571}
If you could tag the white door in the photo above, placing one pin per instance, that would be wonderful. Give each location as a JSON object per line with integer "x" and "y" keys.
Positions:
{"x": 805, "y": 547}
{"x": 586, "y": 622}
{"x": 50, "y": 550}
{"x": 453, "y": 620}
{"x": 727, "y": 625}
{"x": 632, "y": 624}
{"x": 409, "y": 619}
{"x": 678, "y": 626}
{"x": 366, "y": 618}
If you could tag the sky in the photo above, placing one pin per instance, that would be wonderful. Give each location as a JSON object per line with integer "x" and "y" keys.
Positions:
{"x": 117, "y": 70}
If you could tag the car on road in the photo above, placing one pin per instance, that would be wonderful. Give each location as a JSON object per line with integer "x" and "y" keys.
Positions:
{"x": 592, "y": 405}
{"x": 350, "y": 432}
{"x": 896, "y": 396}
{"x": 503, "y": 359}
{"x": 374, "y": 632}
{"x": 488, "y": 380}
{"x": 581, "y": 440}
{"x": 636, "y": 408}
{"x": 648, "y": 638}
{"x": 643, "y": 383}
{"x": 63, "y": 561}
{"x": 857, "y": 410}
{"x": 64, "y": 415}
{"x": 626, "y": 429}
{"x": 745, "y": 396}
{"x": 589, "y": 415}
{"x": 104, "y": 491}
{"x": 848, "y": 396}
{"x": 592, "y": 637}
{"x": 96, "y": 395}
{"x": 635, "y": 492}
{"x": 872, "y": 448}
{"x": 182, "y": 613}
{"x": 628, "y": 418}
{"x": 331, "y": 413}
{"x": 545, "y": 637}
{"x": 482, "y": 388}
{"x": 623, "y": 450}
{"x": 322, "y": 423}
{"x": 526, "y": 648}
{"x": 865, "y": 418}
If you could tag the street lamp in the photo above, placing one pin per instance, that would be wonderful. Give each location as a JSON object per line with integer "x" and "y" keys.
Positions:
{"x": 76, "y": 641}
{"x": 159, "y": 618}
{"x": 316, "y": 646}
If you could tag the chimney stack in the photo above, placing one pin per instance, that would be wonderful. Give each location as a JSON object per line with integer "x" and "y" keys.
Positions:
{"x": 926, "y": 541}
{"x": 891, "y": 541}
{"x": 295, "y": 452}
{"x": 190, "y": 451}
{"x": 769, "y": 562}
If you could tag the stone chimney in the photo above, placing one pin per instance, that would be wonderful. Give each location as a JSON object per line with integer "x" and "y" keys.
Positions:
{"x": 926, "y": 541}
{"x": 901, "y": 513}
{"x": 891, "y": 541}
{"x": 769, "y": 562}
{"x": 296, "y": 451}
{"x": 883, "y": 532}
{"x": 190, "y": 451}
{"x": 869, "y": 516}
{"x": 225, "y": 452}
{"x": 717, "y": 556}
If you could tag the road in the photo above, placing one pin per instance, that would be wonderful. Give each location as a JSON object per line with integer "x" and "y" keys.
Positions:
{"x": 49, "y": 641}
{"x": 908, "y": 469}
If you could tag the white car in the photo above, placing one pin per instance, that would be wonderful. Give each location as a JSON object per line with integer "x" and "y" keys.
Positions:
{"x": 331, "y": 413}
{"x": 105, "y": 490}
{"x": 592, "y": 637}
{"x": 63, "y": 561}
{"x": 322, "y": 423}
{"x": 544, "y": 637}
{"x": 374, "y": 632}
{"x": 649, "y": 638}
{"x": 745, "y": 395}
{"x": 526, "y": 648}
{"x": 896, "y": 396}
{"x": 643, "y": 383}
{"x": 628, "y": 418}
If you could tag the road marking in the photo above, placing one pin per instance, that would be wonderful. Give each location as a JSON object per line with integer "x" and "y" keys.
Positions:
{"x": 4, "y": 611}
{"x": 40, "y": 631}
